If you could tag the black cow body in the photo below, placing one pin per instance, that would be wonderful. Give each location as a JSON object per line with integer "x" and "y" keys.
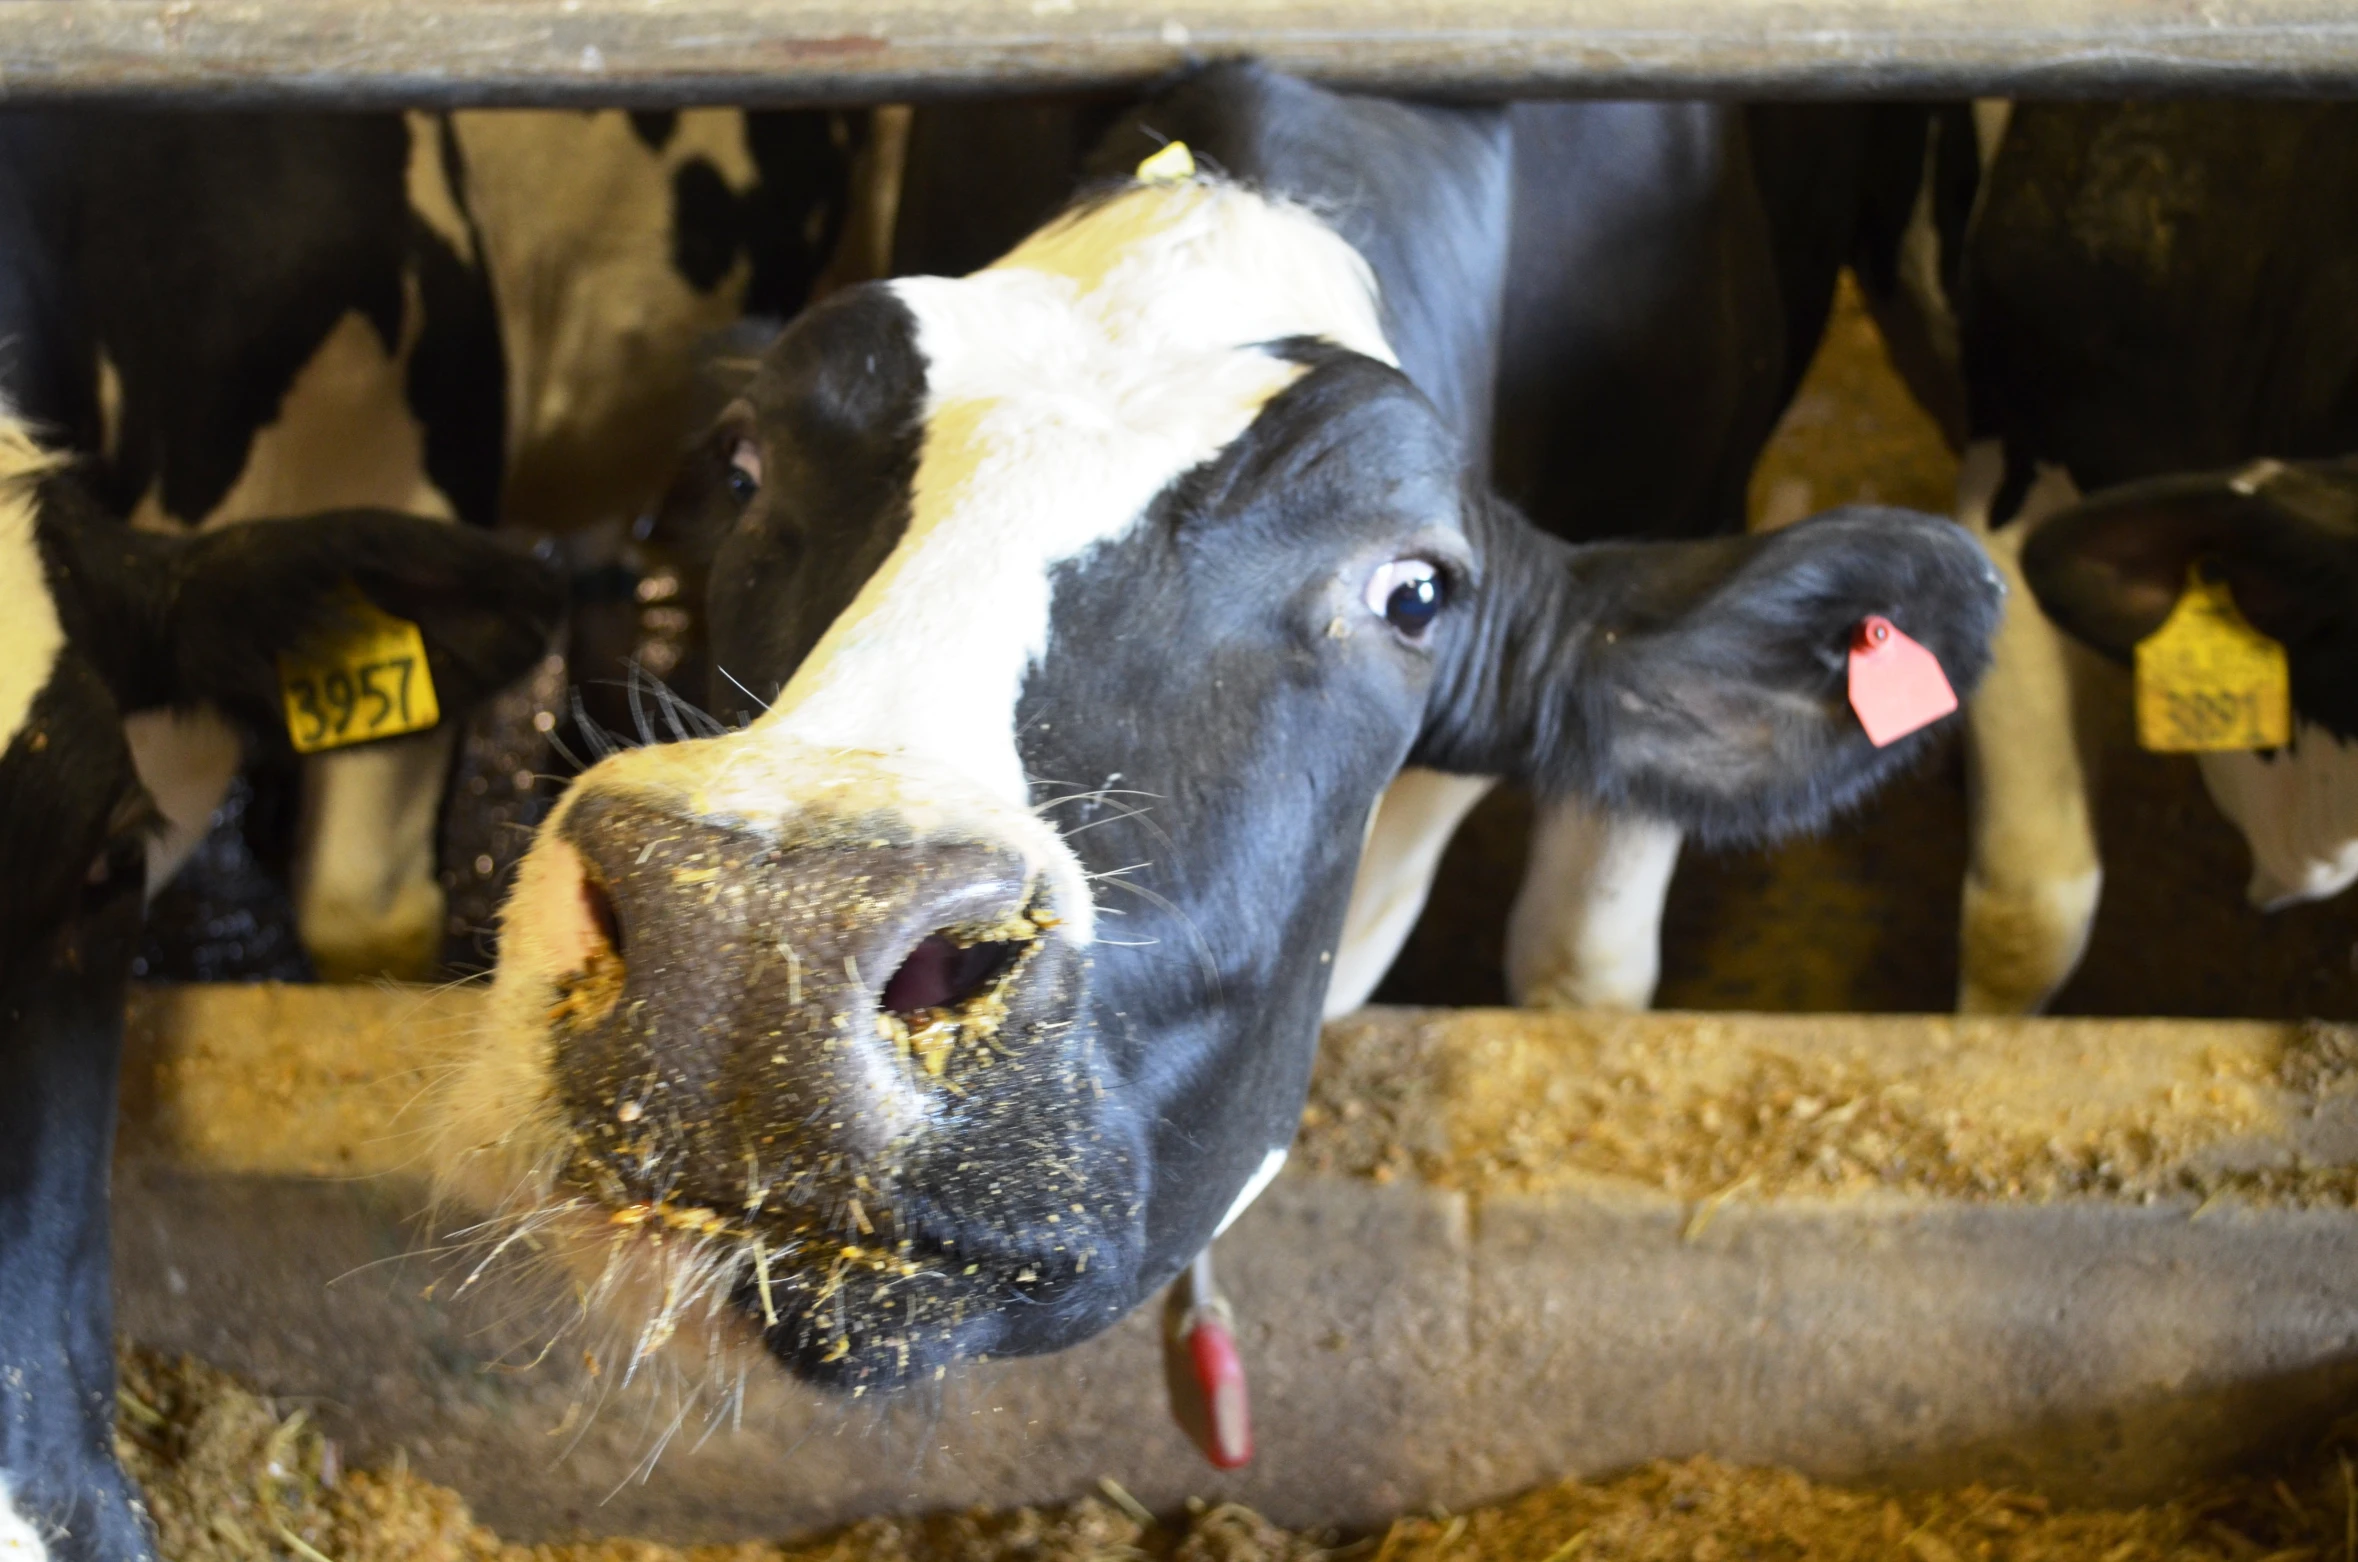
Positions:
{"x": 2149, "y": 290}
{"x": 482, "y": 317}
{"x": 1094, "y": 600}
{"x": 100, "y": 622}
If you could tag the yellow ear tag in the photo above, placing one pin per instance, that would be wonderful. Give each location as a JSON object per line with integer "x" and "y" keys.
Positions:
{"x": 1174, "y": 164}
{"x": 366, "y": 681}
{"x": 2207, "y": 680}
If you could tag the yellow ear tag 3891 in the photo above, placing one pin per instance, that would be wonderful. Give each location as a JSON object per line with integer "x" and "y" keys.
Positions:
{"x": 368, "y": 680}
{"x": 1174, "y": 164}
{"x": 2207, "y": 680}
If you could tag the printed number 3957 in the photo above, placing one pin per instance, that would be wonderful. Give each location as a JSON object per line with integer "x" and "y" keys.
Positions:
{"x": 373, "y": 694}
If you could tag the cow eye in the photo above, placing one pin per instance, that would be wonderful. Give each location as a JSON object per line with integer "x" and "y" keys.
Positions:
{"x": 1407, "y": 593}
{"x": 744, "y": 470}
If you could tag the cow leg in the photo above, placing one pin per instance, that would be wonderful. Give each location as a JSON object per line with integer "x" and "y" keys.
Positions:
{"x": 2032, "y": 875}
{"x": 367, "y": 901}
{"x": 61, "y": 1036}
{"x": 1586, "y": 931}
{"x": 1406, "y": 835}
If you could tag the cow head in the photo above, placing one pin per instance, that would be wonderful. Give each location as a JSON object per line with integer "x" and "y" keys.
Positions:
{"x": 2283, "y": 536}
{"x": 1083, "y": 608}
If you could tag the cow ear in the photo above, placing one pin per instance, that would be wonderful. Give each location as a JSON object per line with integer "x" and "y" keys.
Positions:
{"x": 246, "y": 593}
{"x": 1704, "y": 683}
{"x": 2283, "y": 537}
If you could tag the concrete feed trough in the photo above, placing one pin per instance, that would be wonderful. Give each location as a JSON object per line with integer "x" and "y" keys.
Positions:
{"x": 2094, "y": 1258}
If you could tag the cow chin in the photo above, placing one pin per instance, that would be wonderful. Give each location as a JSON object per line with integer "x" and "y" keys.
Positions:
{"x": 833, "y": 1085}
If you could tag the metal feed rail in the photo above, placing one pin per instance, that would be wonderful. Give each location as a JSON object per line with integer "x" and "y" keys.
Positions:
{"x": 444, "y": 53}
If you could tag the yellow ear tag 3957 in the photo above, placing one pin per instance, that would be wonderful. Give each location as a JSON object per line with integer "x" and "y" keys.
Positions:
{"x": 2207, "y": 680}
{"x": 366, "y": 681}
{"x": 1174, "y": 164}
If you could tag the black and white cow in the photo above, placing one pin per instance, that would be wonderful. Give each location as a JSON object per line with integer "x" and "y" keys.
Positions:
{"x": 1096, "y": 597}
{"x": 485, "y": 316}
{"x": 2146, "y": 290}
{"x": 99, "y": 622}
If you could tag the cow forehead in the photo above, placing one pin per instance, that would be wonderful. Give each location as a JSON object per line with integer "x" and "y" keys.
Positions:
{"x": 31, "y": 635}
{"x": 1065, "y": 387}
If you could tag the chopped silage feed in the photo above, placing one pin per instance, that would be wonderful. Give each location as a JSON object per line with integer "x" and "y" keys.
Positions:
{"x": 230, "y": 1479}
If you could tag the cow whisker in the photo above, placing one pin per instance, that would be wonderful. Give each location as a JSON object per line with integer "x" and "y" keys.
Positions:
{"x": 741, "y": 689}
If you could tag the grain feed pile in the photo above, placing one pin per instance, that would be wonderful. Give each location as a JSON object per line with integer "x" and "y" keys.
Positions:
{"x": 230, "y": 1479}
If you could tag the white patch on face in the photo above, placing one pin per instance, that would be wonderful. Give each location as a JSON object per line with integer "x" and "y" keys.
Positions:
{"x": 19, "y": 1541}
{"x": 2298, "y": 810}
{"x": 1067, "y": 386}
{"x": 30, "y": 635}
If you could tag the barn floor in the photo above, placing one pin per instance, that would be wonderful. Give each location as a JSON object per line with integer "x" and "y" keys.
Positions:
{"x": 1864, "y": 918}
{"x": 232, "y": 1479}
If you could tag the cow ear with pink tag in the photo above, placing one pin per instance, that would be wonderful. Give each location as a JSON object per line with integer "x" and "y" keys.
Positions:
{"x": 1896, "y": 685}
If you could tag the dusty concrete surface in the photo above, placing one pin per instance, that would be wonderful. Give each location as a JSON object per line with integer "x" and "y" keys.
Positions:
{"x": 1864, "y": 917}
{"x": 2096, "y": 1261}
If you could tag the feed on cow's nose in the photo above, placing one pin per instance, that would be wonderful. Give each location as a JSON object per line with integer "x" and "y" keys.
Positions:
{"x": 825, "y": 1076}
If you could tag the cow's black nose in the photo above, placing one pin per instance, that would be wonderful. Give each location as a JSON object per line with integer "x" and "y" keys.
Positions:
{"x": 763, "y": 1018}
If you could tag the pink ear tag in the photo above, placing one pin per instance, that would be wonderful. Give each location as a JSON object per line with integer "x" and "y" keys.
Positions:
{"x": 1896, "y": 685}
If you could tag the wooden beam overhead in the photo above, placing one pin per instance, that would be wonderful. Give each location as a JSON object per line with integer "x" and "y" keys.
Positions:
{"x": 652, "y": 53}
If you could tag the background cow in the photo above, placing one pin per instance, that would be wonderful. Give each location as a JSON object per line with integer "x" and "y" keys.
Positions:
{"x": 2148, "y": 289}
{"x": 1084, "y": 608}
{"x": 98, "y": 623}
{"x": 488, "y": 317}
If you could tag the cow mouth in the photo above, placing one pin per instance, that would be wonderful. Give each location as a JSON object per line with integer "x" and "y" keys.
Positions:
{"x": 698, "y": 1137}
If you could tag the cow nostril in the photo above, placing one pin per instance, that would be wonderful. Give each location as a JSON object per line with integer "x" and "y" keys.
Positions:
{"x": 941, "y": 973}
{"x": 599, "y": 903}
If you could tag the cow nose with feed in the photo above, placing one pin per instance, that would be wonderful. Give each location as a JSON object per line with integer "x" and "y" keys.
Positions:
{"x": 765, "y": 1022}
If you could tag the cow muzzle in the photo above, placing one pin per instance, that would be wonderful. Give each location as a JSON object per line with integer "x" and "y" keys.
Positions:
{"x": 852, "y": 1050}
